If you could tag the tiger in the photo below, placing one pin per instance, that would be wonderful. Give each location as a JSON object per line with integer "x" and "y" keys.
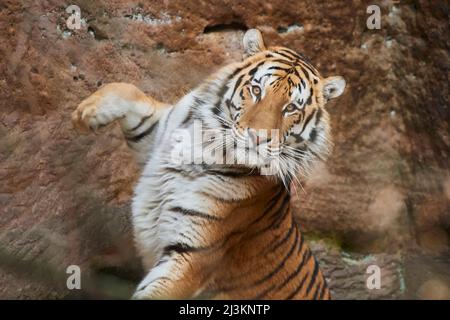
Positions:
{"x": 225, "y": 230}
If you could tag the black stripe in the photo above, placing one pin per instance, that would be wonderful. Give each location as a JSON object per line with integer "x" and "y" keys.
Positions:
{"x": 300, "y": 286}
{"x": 238, "y": 82}
{"x": 280, "y": 265}
{"x": 198, "y": 101}
{"x": 301, "y": 243}
{"x": 197, "y": 236}
{"x": 318, "y": 116}
{"x": 286, "y": 56}
{"x": 188, "y": 117}
{"x": 283, "y": 61}
{"x": 284, "y": 203}
{"x": 224, "y": 88}
{"x": 299, "y": 56}
{"x": 179, "y": 248}
{"x": 302, "y": 82}
{"x": 294, "y": 53}
{"x": 297, "y": 271}
{"x": 286, "y": 238}
{"x": 272, "y": 203}
{"x": 253, "y": 71}
{"x": 311, "y": 92}
{"x": 300, "y": 59}
{"x": 238, "y": 70}
{"x": 316, "y": 292}
{"x": 292, "y": 275}
{"x": 230, "y": 104}
{"x": 313, "y": 135}
{"x": 313, "y": 276}
{"x": 304, "y": 59}
{"x": 263, "y": 294}
{"x": 295, "y": 71}
{"x": 263, "y": 76}
{"x": 324, "y": 289}
{"x": 309, "y": 67}
{"x": 143, "y": 134}
{"x": 290, "y": 82}
{"x": 290, "y": 52}
{"x": 194, "y": 213}
{"x": 233, "y": 173}
{"x": 280, "y": 219}
{"x": 308, "y": 119}
{"x": 217, "y": 110}
{"x": 141, "y": 122}
{"x": 168, "y": 117}
{"x": 185, "y": 237}
{"x": 191, "y": 113}
{"x": 305, "y": 72}
{"x": 279, "y": 68}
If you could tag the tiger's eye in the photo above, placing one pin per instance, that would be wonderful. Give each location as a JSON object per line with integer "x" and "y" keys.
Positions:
{"x": 291, "y": 107}
{"x": 256, "y": 90}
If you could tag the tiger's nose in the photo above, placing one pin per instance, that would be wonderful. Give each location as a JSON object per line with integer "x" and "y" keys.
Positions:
{"x": 257, "y": 137}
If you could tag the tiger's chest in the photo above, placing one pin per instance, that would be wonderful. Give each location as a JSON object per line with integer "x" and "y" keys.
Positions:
{"x": 166, "y": 206}
{"x": 179, "y": 203}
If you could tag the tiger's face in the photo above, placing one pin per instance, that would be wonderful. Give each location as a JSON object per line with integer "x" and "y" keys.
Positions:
{"x": 274, "y": 102}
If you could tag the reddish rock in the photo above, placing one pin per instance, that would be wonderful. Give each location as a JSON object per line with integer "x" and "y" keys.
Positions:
{"x": 64, "y": 198}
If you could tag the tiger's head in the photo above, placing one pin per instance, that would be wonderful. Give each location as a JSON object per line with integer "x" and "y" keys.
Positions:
{"x": 274, "y": 103}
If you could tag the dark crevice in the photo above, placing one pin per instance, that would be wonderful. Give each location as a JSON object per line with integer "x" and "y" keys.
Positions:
{"x": 233, "y": 26}
{"x": 97, "y": 33}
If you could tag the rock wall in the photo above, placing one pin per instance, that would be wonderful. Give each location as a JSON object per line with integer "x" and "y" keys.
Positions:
{"x": 382, "y": 198}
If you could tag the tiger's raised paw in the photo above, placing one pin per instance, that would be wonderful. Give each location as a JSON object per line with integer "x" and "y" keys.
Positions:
{"x": 98, "y": 110}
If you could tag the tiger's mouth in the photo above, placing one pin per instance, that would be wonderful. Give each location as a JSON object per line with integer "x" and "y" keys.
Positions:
{"x": 260, "y": 149}
{"x": 230, "y": 146}
{"x": 278, "y": 157}
{"x": 259, "y": 140}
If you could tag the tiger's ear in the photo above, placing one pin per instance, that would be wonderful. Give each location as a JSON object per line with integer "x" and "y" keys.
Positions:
{"x": 333, "y": 87}
{"x": 253, "y": 42}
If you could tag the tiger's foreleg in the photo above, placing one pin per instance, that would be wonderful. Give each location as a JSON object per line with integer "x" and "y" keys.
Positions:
{"x": 171, "y": 278}
{"x": 137, "y": 114}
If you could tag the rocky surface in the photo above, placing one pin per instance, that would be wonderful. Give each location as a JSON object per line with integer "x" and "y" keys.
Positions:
{"x": 382, "y": 198}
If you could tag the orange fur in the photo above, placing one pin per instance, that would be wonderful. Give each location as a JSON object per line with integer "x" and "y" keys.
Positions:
{"x": 252, "y": 248}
